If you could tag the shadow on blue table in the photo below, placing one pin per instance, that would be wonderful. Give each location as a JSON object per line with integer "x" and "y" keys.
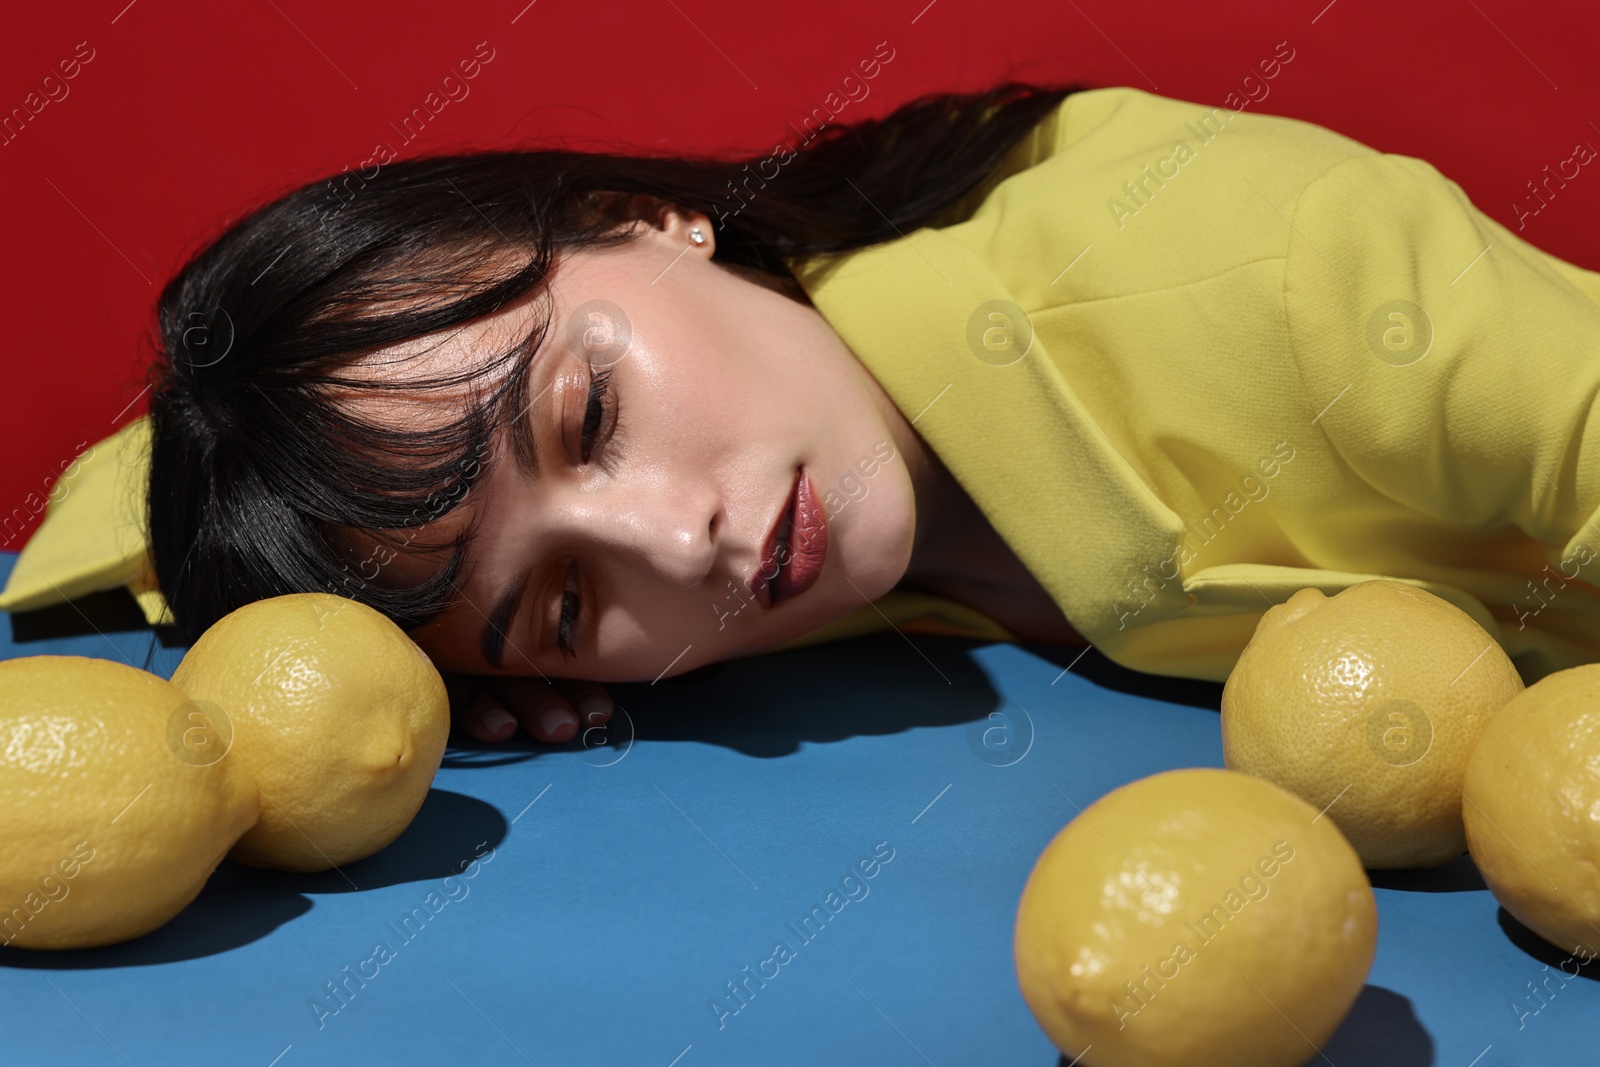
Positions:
{"x": 241, "y": 904}
{"x": 1381, "y": 1031}
{"x": 1566, "y": 963}
{"x": 1460, "y": 875}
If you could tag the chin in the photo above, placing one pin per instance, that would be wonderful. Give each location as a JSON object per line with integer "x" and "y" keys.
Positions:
{"x": 882, "y": 576}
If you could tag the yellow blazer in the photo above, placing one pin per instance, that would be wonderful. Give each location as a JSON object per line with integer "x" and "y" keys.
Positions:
{"x": 1189, "y": 360}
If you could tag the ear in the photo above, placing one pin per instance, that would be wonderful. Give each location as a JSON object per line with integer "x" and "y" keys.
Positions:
{"x": 676, "y": 223}
{"x": 669, "y": 222}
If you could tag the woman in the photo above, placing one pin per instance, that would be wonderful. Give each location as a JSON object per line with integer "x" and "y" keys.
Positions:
{"x": 1071, "y": 358}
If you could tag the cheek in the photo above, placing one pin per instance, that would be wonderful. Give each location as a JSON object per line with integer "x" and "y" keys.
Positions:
{"x": 655, "y": 633}
{"x": 449, "y": 649}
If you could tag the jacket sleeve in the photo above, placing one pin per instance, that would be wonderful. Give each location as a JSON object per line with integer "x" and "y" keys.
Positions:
{"x": 1454, "y": 366}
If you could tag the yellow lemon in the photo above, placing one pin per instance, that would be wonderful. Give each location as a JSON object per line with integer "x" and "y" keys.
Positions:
{"x": 1368, "y": 705}
{"x": 1531, "y": 803}
{"x": 112, "y": 826}
{"x": 1196, "y": 916}
{"x": 337, "y": 716}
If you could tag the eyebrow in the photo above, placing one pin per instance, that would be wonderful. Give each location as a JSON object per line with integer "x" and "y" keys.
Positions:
{"x": 524, "y": 443}
{"x": 493, "y": 640}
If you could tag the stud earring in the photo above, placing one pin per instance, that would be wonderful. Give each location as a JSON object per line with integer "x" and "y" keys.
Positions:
{"x": 697, "y": 236}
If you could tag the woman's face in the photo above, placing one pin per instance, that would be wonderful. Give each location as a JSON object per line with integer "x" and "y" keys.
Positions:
{"x": 719, "y": 390}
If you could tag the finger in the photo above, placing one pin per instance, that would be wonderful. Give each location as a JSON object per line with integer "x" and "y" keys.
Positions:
{"x": 486, "y": 719}
{"x": 591, "y": 700}
{"x": 544, "y": 713}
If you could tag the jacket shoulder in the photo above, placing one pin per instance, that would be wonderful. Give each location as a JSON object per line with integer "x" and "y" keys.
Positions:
{"x": 1107, "y": 134}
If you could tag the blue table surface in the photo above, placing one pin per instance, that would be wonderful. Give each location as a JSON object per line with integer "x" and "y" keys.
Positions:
{"x": 619, "y": 888}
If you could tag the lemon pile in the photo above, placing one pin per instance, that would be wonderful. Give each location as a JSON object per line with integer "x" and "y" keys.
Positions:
{"x": 299, "y": 732}
{"x": 1380, "y": 728}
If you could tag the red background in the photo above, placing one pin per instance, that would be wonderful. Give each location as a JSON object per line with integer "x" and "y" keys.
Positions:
{"x": 189, "y": 114}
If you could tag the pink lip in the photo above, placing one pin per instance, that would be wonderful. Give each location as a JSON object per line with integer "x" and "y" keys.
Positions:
{"x": 787, "y": 574}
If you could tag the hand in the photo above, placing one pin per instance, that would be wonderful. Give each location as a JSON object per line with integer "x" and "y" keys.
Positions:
{"x": 490, "y": 707}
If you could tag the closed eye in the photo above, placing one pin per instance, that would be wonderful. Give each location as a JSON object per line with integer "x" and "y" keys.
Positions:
{"x": 593, "y": 416}
{"x": 569, "y": 614}
{"x": 598, "y": 384}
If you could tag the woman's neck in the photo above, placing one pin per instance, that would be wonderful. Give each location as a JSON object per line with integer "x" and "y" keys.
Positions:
{"x": 949, "y": 524}
{"x": 956, "y": 552}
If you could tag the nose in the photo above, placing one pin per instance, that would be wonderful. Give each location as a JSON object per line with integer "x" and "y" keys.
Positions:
{"x": 651, "y": 525}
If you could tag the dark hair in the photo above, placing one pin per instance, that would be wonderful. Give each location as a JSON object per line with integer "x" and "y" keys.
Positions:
{"x": 254, "y": 470}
